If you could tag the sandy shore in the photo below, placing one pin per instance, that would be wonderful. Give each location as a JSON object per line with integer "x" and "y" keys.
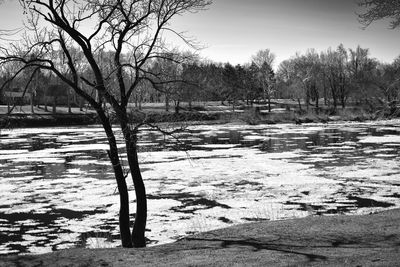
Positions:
{"x": 366, "y": 240}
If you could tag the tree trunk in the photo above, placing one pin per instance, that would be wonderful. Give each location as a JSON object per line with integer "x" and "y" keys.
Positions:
{"x": 325, "y": 91}
{"x": 334, "y": 97}
{"x": 334, "y": 103}
{"x": 298, "y": 101}
{"x": 264, "y": 94}
{"x": 113, "y": 154}
{"x": 81, "y": 103}
{"x": 54, "y": 105}
{"x": 343, "y": 98}
{"x": 139, "y": 227}
{"x": 269, "y": 103}
{"x": 307, "y": 98}
{"x": 166, "y": 102}
{"x": 32, "y": 103}
{"x": 69, "y": 102}
{"x": 177, "y": 107}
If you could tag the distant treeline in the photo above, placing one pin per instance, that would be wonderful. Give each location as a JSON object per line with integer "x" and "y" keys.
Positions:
{"x": 335, "y": 78}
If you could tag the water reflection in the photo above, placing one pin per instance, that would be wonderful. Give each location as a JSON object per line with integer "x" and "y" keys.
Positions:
{"x": 58, "y": 188}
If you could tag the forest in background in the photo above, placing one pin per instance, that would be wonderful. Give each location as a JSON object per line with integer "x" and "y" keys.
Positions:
{"x": 317, "y": 81}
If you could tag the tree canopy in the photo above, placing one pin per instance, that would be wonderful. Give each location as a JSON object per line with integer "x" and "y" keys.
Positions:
{"x": 380, "y": 9}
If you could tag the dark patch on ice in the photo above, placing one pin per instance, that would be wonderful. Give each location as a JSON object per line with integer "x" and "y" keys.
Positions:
{"x": 342, "y": 208}
{"x": 18, "y": 248}
{"x": 190, "y": 202}
{"x": 338, "y": 210}
{"x": 395, "y": 195}
{"x": 191, "y": 205}
{"x": 306, "y": 206}
{"x": 48, "y": 217}
{"x": 245, "y": 182}
{"x": 45, "y": 221}
{"x": 225, "y": 220}
{"x": 340, "y": 242}
{"x": 10, "y": 236}
{"x": 176, "y": 159}
{"x": 255, "y": 219}
{"x": 174, "y": 196}
{"x": 369, "y": 203}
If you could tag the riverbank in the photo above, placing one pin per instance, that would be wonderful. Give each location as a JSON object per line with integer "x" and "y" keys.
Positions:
{"x": 247, "y": 116}
{"x": 358, "y": 240}
{"x": 47, "y": 120}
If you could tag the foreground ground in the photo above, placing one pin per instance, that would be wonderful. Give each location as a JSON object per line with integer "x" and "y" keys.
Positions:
{"x": 368, "y": 240}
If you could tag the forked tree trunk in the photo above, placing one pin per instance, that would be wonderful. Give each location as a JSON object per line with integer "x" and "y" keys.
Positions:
{"x": 113, "y": 154}
{"x": 139, "y": 227}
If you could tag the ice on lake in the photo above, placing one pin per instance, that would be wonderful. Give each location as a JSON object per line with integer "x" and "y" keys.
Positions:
{"x": 58, "y": 189}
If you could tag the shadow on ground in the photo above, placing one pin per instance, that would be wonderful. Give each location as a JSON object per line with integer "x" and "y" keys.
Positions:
{"x": 368, "y": 240}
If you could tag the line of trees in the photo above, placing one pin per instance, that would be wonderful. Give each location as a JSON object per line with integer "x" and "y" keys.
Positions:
{"x": 338, "y": 76}
{"x": 334, "y": 79}
{"x": 331, "y": 79}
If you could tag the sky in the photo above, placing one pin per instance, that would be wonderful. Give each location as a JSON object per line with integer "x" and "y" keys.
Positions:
{"x": 234, "y": 30}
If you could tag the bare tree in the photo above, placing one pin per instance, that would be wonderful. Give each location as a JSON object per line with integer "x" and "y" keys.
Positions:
{"x": 264, "y": 59}
{"x": 132, "y": 30}
{"x": 264, "y": 56}
{"x": 380, "y": 9}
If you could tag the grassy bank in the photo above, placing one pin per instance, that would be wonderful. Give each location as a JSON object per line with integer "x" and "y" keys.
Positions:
{"x": 366, "y": 240}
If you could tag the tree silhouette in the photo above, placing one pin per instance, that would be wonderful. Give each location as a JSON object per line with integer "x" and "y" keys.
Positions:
{"x": 66, "y": 37}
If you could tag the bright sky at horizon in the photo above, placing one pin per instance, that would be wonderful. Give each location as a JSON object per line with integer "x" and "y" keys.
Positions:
{"x": 234, "y": 30}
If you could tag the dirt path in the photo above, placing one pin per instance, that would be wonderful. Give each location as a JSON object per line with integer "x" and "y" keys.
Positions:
{"x": 368, "y": 240}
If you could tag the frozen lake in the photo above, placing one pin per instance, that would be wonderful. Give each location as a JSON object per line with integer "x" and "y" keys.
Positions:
{"x": 58, "y": 189}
